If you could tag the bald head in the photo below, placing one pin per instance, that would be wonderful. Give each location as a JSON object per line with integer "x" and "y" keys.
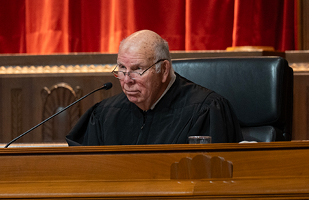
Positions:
{"x": 148, "y": 43}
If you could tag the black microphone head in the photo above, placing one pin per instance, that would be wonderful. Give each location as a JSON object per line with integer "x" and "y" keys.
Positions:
{"x": 108, "y": 86}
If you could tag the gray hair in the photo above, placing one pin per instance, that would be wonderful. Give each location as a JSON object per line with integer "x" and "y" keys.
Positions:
{"x": 161, "y": 51}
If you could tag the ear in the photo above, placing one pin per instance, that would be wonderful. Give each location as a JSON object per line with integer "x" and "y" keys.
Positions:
{"x": 165, "y": 70}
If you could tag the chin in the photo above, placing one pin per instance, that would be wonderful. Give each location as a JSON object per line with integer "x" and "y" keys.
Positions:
{"x": 133, "y": 99}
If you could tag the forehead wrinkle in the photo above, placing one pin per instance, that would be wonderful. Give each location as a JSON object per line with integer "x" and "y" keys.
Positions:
{"x": 140, "y": 50}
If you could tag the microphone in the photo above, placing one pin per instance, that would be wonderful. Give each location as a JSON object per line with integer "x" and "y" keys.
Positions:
{"x": 106, "y": 86}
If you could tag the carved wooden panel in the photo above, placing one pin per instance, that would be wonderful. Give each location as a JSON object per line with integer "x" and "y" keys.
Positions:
{"x": 202, "y": 167}
{"x": 16, "y": 111}
{"x": 303, "y": 24}
{"x": 55, "y": 99}
{"x": 306, "y": 109}
{"x": 300, "y": 106}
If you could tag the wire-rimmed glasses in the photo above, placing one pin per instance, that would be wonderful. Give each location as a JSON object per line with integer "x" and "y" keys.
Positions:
{"x": 132, "y": 74}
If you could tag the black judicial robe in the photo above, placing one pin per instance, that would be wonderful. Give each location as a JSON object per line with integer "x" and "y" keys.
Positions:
{"x": 186, "y": 109}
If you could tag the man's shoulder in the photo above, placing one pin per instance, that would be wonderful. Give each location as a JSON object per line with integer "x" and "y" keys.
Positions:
{"x": 191, "y": 88}
{"x": 195, "y": 93}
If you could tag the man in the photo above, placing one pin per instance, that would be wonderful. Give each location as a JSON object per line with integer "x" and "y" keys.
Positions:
{"x": 156, "y": 106}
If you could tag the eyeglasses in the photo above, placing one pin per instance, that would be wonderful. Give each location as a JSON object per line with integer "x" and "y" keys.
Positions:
{"x": 133, "y": 74}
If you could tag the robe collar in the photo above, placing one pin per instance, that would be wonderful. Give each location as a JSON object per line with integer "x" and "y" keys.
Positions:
{"x": 173, "y": 78}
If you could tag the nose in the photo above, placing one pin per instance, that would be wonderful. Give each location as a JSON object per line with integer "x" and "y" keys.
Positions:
{"x": 127, "y": 78}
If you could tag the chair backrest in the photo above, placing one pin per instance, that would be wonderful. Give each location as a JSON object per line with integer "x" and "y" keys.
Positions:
{"x": 260, "y": 90}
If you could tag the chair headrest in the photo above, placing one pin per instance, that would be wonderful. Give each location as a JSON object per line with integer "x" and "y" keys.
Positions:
{"x": 254, "y": 86}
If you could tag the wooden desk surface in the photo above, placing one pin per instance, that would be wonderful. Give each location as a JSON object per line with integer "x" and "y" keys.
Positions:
{"x": 260, "y": 170}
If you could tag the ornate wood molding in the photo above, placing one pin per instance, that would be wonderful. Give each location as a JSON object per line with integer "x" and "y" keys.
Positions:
{"x": 55, "y": 69}
{"x": 300, "y": 66}
{"x": 89, "y": 68}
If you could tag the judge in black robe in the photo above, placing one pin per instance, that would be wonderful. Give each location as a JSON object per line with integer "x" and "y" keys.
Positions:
{"x": 156, "y": 106}
{"x": 186, "y": 109}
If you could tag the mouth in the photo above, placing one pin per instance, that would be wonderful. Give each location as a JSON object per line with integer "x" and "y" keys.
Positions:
{"x": 131, "y": 92}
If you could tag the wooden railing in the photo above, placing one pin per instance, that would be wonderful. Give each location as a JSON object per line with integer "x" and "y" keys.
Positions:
{"x": 277, "y": 170}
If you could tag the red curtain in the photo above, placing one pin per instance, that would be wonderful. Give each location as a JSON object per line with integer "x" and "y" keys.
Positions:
{"x": 62, "y": 26}
{"x": 264, "y": 23}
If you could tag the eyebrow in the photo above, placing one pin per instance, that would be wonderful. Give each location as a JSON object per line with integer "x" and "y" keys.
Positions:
{"x": 135, "y": 66}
